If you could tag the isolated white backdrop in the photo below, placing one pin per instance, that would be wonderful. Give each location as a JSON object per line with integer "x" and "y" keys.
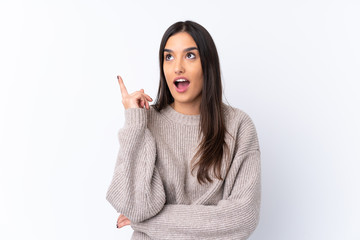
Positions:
{"x": 293, "y": 66}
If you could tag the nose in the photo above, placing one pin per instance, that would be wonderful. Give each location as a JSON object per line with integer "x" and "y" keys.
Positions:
{"x": 179, "y": 68}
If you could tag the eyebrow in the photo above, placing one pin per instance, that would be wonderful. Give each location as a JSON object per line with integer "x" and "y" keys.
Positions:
{"x": 185, "y": 50}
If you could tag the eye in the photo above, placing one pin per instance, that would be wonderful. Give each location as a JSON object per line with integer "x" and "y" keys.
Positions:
{"x": 190, "y": 55}
{"x": 167, "y": 57}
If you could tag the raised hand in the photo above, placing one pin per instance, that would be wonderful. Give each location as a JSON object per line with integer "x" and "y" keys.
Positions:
{"x": 137, "y": 99}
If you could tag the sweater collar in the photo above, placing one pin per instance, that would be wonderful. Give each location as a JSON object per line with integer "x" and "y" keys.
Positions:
{"x": 180, "y": 118}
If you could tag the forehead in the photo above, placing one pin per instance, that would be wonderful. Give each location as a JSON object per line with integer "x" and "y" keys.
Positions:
{"x": 180, "y": 41}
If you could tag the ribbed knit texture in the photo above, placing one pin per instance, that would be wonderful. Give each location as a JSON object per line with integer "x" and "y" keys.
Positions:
{"x": 153, "y": 187}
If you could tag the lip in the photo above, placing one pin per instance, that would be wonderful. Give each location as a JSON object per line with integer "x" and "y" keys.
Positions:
{"x": 181, "y": 90}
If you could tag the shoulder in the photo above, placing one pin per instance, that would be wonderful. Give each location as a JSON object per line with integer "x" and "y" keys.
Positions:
{"x": 152, "y": 113}
{"x": 154, "y": 117}
{"x": 238, "y": 117}
{"x": 234, "y": 111}
{"x": 241, "y": 123}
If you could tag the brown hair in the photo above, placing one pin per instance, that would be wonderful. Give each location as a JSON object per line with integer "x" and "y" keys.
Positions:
{"x": 212, "y": 122}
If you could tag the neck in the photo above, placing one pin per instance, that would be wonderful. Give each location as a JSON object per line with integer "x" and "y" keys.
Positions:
{"x": 186, "y": 108}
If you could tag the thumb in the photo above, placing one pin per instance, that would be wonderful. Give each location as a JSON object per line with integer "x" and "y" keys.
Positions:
{"x": 142, "y": 90}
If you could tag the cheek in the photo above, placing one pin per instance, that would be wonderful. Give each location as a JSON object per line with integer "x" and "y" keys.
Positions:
{"x": 166, "y": 73}
{"x": 199, "y": 74}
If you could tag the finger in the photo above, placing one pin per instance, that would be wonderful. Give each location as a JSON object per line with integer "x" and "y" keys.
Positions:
{"x": 147, "y": 105}
{"x": 124, "y": 223}
{"x": 141, "y": 93}
{"x": 141, "y": 98}
{"x": 141, "y": 103}
{"x": 147, "y": 96}
{"x": 123, "y": 90}
{"x": 120, "y": 216}
{"x": 120, "y": 219}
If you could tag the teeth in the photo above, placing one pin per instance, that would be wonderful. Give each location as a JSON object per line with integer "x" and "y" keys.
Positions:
{"x": 181, "y": 80}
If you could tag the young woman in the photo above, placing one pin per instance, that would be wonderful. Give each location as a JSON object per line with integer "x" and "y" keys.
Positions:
{"x": 188, "y": 128}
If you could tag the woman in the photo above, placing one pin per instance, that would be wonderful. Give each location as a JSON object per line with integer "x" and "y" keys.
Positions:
{"x": 154, "y": 186}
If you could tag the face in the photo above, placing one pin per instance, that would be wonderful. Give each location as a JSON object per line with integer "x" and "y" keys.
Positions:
{"x": 182, "y": 61}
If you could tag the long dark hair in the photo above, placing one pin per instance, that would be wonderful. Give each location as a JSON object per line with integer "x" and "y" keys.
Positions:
{"x": 212, "y": 122}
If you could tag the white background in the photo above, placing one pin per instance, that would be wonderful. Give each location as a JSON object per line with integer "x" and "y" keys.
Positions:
{"x": 293, "y": 66}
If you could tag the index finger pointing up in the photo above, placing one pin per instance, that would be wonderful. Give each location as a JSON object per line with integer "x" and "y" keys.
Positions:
{"x": 122, "y": 87}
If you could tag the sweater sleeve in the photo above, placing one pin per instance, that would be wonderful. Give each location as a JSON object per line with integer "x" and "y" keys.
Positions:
{"x": 234, "y": 217}
{"x": 136, "y": 189}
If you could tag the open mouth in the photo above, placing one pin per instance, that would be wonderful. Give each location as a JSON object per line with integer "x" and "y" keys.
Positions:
{"x": 182, "y": 84}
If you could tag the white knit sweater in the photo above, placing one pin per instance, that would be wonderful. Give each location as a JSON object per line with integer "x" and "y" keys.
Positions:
{"x": 153, "y": 187}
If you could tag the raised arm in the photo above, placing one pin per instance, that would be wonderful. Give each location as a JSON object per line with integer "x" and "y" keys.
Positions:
{"x": 136, "y": 189}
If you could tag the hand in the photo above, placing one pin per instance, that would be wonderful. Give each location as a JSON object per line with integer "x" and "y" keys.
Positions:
{"x": 122, "y": 221}
{"x": 136, "y": 99}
